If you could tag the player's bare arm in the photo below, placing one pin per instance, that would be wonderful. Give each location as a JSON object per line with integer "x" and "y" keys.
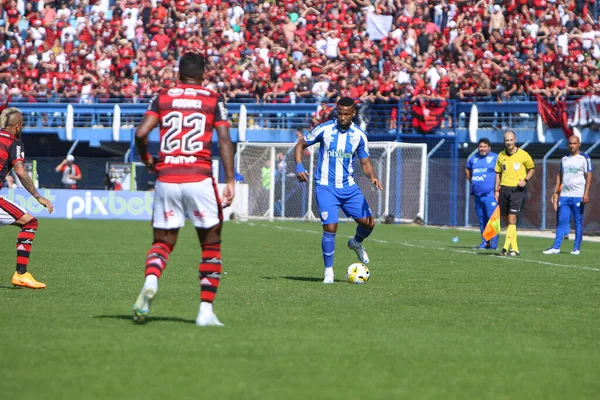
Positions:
{"x": 141, "y": 138}
{"x": 19, "y": 168}
{"x": 226, "y": 152}
{"x": 369, "y": 171}
{"x": 588, "y": 184}
{"x": 298, "y": 151}
{"x": 556, "y": 191}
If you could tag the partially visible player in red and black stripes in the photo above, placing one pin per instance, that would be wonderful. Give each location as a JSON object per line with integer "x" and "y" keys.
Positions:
{"x": 186, "y": 115}
{"x": 12, "y": 158}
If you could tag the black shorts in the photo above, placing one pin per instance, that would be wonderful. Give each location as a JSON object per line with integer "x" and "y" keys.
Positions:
{"x": 511, "y": 200}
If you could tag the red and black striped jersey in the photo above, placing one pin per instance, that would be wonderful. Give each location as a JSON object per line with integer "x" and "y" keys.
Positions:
{"x": 11, "y": 151}
{"x": 187, "y": 114}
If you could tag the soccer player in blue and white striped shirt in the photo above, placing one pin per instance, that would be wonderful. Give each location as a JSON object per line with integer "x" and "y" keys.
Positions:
{"x": 341, "y": 142}
{"x": 573, "y": 183}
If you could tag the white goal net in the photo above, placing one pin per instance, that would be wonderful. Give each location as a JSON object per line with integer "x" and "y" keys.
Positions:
{"x": 274, "y": 192}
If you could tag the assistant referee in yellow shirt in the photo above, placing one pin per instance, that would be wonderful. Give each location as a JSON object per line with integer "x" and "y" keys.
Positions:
{"x": 514, "y": 169}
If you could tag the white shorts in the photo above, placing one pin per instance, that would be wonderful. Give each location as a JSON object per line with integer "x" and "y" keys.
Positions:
{"x": 10, "y": 212}
{"x": 199, "y": 201}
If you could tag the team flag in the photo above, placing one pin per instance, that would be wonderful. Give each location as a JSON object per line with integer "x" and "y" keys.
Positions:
{"x": 493, "y": 226}
{"x": 555, "y": 115}
{"x": 428, "y": 116}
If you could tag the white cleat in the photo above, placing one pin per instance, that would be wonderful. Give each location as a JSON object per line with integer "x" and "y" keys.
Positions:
{"x": 328, "y": 275}
{"x": 141, "y": 308}
{"x": 575, "y": 252}
{"x": 551, "y": 251}
{"x": 359, "y": 250}
{"x": 208, "y": 319}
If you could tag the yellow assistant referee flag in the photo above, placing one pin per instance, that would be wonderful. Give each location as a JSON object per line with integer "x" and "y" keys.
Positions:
{"x": 493, "y": 225}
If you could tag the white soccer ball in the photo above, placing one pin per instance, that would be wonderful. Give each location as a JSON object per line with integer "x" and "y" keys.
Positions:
{"x": 358, "y": 273}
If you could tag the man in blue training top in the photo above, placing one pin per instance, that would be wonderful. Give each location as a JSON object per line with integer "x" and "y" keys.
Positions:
{"x": 573, "y": 183}
{"x": 480, "y": 172}
{"x": 341, "y": 141}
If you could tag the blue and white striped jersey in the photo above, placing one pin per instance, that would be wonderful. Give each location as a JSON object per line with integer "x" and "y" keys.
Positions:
{"x": 573, "y": 169}
{"x": 337, "y": 153}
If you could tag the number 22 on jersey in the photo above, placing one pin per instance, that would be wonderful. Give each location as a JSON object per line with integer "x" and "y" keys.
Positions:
{"x": 184, "y": 134}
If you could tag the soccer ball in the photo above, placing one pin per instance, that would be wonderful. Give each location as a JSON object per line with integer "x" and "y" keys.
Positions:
{"x": 358, "y": 273}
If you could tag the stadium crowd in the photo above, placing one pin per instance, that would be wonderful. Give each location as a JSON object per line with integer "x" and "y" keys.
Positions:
{"x": 310, "y": 51}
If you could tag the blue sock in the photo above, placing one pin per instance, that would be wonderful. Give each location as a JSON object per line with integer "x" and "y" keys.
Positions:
{"x": 328, "y": 246}
{"x": 362, "y": 233}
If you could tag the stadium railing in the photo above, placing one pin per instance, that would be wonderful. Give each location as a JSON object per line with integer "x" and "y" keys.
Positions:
{"x": 75, "y": 120}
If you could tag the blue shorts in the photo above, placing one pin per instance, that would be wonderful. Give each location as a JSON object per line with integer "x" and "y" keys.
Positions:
{"x": 350, "y": 199}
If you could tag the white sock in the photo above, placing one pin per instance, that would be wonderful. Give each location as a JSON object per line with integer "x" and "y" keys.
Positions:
{"x": 151, "y": 281}
{"x": 206, "y": 307}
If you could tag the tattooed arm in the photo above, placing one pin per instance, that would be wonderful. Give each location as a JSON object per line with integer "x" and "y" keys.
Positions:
{"x": 21, "y": 172}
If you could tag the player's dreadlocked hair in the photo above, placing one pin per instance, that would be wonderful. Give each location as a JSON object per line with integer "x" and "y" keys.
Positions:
{"x": 5, "y": 116}
{"x": 191, "y": 66}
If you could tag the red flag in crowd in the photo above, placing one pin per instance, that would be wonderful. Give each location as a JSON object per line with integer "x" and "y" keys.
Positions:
{"x": 427, "y": 117}
{"x": 555, "y": 116}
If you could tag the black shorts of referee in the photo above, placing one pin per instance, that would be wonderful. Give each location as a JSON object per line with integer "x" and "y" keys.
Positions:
{"x": 511, "y": 200}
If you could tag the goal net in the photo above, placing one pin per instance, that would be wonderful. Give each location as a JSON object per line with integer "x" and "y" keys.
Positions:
{"x": 274, "y": 192}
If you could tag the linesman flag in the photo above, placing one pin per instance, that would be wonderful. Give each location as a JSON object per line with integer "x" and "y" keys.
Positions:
{"x": 493, "y": 226}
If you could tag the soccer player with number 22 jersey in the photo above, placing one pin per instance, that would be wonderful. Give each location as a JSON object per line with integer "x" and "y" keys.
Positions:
{"x": 186, "y": 115}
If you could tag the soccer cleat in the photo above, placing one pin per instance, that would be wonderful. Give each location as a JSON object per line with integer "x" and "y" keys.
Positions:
{"x": 551, "y": 250}
{"x": 359, "y": 250}
{"x": 503, "y": 253}
{"x": 575, "y": 252}
{"x": 208, "y": 319}
{"x": 26, "y": 280}
{"x": 513, "y": 253}
{"x": 328, "y": 275}
{"x": 141, "y": 308}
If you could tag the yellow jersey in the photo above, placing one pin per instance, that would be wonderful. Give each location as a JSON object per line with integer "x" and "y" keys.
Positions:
{"x": 513, "y": 167}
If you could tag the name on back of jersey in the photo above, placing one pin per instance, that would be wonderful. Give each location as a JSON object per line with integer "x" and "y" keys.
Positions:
{"x": 186, "y": 104}
{"x": 180, "y": 103}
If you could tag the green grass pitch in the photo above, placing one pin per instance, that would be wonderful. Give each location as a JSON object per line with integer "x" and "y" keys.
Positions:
{"x": 437, "y": 320}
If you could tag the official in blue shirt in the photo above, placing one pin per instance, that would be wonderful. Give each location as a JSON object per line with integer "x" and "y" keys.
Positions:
{"x": 480, "y": 172}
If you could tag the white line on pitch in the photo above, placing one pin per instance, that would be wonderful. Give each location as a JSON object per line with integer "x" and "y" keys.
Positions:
{"x": 439, "y": 248}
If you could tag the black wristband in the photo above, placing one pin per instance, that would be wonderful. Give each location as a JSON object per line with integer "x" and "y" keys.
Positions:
{"x": 526, "y": 180}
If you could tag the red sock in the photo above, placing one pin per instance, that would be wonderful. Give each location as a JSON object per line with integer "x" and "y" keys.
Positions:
{"x": 156, "y": 260}
{"x": 210, "y": 271}
{"x": 24, "y": 242}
